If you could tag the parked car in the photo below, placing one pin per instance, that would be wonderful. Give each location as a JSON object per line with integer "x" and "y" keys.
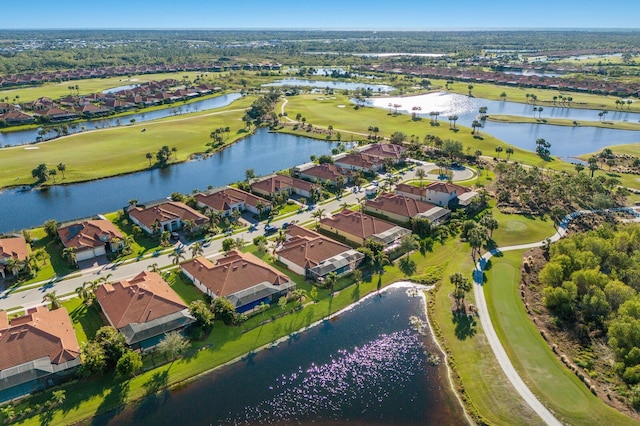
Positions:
{"x": 270, "y": 229}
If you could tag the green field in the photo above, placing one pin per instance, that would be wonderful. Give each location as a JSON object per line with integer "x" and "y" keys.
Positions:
{"x": 117, "y": 150}
{"x": 546, "y": 376}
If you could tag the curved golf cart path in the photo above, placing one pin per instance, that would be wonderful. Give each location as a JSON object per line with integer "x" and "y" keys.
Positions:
{"x": 483, "y": 312}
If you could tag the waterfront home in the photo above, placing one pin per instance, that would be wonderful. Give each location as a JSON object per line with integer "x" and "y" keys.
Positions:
{"x": 13, "y": 252}
{"x": 36, "y": 350}
{"x": 242, "y": 278}
{"x": 55, "y": 114}
{"x": 356, "y": 227}
{"x": 314, "y": 256}
{"x": 402, "y": 209}
{"x": 16, "y": 118}
{"x": 360, "y": 161}
{"x": 143, "y": 309}
{"x": 384, "y": 151}
{"x": 326, "y": 173}
{"x": 91, "y": 238}
{"x": 443, "y": 194}
{"x": 279, "y": 184}
{"x": 165, "y": 216}
{"x": 227, "y": 200}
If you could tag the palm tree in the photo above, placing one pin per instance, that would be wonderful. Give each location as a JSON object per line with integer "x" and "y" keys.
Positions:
{"x": 475, "y": 125}
{"x": 503, "y": 96}
{"x": 499, "y": 149}
{"x": 318, "y": 215}
{"x": 421, "y": 174}
{"x": 196, "y": 249}
{"x": 52, "y": 298}
{"x": 540, "y": 109}
{"x": 379, "y": 261}
{"x": 330, "y": 281}
{"x": 260, "y": 206}
{"x": 61, "y": 168}
{"x": 177, "y": 256}
{"x": 53, "y": 173}
{"x": 579, "y": 167}
{"x": 69, "y": 253}
{"x": 470, "y": 87}
{"x": 149, "y": 157}
{"x": 189, "y": 226}
{"x": 453, "y": 118}
{"x": 85, "y": 292}
{"x": 509, "y": 152}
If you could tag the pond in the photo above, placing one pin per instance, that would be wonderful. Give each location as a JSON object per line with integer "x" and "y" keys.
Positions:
{"x": 567, "y": 141}
{"x": 22, "y": 137}
{"x": 367, "y": 365}
{"x": 335, "y": 85}
{"x": 264, "y": 152}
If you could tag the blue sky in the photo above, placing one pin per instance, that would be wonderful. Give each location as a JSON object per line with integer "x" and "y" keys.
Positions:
{"x": 320, "y": 14}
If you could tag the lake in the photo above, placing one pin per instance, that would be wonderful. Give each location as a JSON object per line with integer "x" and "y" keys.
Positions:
{"x": 263, "y": 151}
{"x": 567, "y": 141}
{"x": 365, "y": 366}
{"x": 335, "y": 85}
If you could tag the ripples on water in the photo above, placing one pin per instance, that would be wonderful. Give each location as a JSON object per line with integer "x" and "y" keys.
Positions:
{"x": 352, "y": 382}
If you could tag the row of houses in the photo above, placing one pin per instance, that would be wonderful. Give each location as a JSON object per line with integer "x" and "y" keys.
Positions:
{"x": 469, "y": 75}
{"x": 23, "y": 79}
{"x": 96, "y": 105}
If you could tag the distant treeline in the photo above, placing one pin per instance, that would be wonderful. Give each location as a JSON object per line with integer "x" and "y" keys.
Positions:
{"x": 33, "y": 51}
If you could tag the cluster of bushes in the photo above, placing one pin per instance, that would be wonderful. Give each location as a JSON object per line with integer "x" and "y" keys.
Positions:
{"x": 591, "y": 286}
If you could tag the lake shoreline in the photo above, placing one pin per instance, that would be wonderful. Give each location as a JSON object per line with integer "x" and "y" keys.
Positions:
{"x": 420, "y": 292}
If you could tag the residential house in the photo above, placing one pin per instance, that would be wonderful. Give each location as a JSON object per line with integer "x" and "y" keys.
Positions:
{"x": 314, "y": 256}
{"x": 227, "y": 200}
{"x": 242, "y": 278}
{"x": 56, "y": 114}
{"x": 279, "y": 184}
{"x": 360, "y": 162}
{"x": 143, "y": 309}
{"x": 326, "y": 173}
{"x": 12, "y": 249}
{"x": 384, "y": 151}
{"x": 91, "y": 238}
{"x": 443, "y": 194}
{"x": 16, "y": 118}
{"x": 35, "y": 350}
{"x": 356, "y": 227}
{"x": 402, "y": 209}
{"x": 165, "y": 216}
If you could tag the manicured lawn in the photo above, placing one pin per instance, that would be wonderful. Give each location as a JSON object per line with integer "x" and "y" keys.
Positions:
{"x": 517, "y": 229}
{"x": 558, "y": 387}
{"x": 185, "y": 288}
{"x": 117, "y": 150}
{"x": 86, "y": 319}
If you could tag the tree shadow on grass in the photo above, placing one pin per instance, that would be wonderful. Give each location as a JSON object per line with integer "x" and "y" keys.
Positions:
{"x": 112, "y": 404}
{"x": 355, "y": 293}
{"x": 156, "y": 396}
{"x": 465, "y": 326}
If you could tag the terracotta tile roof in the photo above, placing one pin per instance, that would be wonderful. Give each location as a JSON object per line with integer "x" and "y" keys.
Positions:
{"x": 165, "y": 212}
{"x": 89, "y": 234}
{"x": 446, "y": 188}
{"x": 384, "y": 150}
{"x": 327, "y": 171}
{"x": 410, "y": 189}
{"x": 361, "y": 160}
{"x": 278, "y": 183}
{"x": 143, "y": 298}
{"x": 15, "y": 248}
{"x": 40, "y": 333}
{"x": 233, "y": 273}
{"x": 223, "y": 199}
{"x": 356, "y": 223}
{"x": 307, "y": 249}
{"x": 404, "y": 206}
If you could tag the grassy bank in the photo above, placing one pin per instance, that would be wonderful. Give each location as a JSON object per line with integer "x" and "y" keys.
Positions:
{"x": 552, "y": 382}
{"x": 619, "y": 125}
{"x": 118, "y": 150}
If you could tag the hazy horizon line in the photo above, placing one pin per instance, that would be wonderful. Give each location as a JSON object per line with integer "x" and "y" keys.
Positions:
{"x": 437, "y": 29}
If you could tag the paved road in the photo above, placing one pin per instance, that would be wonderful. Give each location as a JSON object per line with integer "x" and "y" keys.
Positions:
{"x": 33, "y": 297}
{"x": 490, "y": 332}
